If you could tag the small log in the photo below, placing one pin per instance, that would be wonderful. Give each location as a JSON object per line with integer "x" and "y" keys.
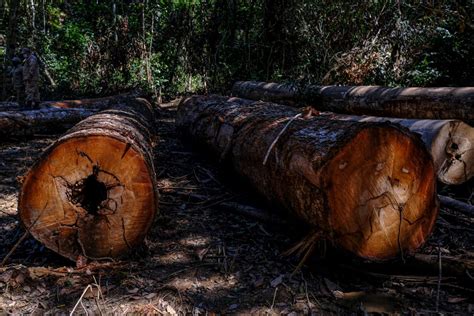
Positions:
{"x": 44, "y": 121}
{"x": 414, "y": 102}
{"x": 461, "y": 207}
{"x": 450, "y": 142}
{"x": 369, "y": 187}
{"x": 93, "y": 192}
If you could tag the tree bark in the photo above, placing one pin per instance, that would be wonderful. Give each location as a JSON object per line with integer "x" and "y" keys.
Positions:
{"x": 369, "y": 187}
{"x": 93, "y": 192}
{"x": 25, "y": 123}
{"x": 421, "y": 103}
{"x": 93, "y": 103}
{"x": 450, "y": 142}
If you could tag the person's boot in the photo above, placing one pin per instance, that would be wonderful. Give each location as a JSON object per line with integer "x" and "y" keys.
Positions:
{"x": 36, "y": 105}
{"x": 29, "y": 105}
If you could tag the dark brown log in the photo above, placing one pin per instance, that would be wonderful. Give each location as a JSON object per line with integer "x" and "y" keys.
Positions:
{"x": 461, "y": 207}
{"x": 369, "y": 187}
{"x": 415, "y": 102}
{"x": 93, "y": 103}
{"x": 93, "y": 192}
{"x": 23, "y": 123}
{"x": 450, "y": 142}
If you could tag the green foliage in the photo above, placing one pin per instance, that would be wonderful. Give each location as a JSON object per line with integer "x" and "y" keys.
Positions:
{"x": 177, "y": 46}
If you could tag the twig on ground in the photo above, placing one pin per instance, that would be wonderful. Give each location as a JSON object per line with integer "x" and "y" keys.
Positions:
{"x": 14, "y": 248}
{"x": 440, "y": 271}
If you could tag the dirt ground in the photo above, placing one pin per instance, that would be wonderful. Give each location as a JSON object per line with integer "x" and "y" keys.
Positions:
{"x": 203, "y": 256}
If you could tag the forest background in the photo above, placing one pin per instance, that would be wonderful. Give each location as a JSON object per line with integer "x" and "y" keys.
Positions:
{"x": 170, "y": 47}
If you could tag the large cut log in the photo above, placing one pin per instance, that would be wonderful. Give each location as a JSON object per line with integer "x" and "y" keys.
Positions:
{"x": 93, "y": 103}
{"x": 415, "y": 102}
{"x": 93, "y": 192}
{"x": 23, "y": 123}
{"x": 450, "y": 142}
{"x": 369, "y": 187}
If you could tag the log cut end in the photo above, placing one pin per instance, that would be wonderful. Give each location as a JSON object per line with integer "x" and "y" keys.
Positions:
{"x": 453, "y": 153}
{"x": 91, "y": 196}
{"x": 381, "y": 190}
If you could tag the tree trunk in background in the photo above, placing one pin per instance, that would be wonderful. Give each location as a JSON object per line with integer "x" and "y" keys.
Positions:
{"x": 422, "y": 103}
{"x": 450, "y": 143}
{"x": 93, "y": 192}
{"x": 23, "y": 123}
{"x": 10, "y": 43}
{"x": 368, "y": 187}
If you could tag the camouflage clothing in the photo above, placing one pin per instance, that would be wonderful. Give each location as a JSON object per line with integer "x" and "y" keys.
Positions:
{"x": 17, "y": 82}
{"x": 31, "y": 78}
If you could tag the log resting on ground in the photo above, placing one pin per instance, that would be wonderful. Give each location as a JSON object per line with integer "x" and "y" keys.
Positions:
{"x": 93, "y": 192}
{"x": 24, "y": 123}
{"x": 92, "y": 103}
{"x": 414, "y": 102}
{"x": 451, "y": 143}
{"x": 369, "y": 187}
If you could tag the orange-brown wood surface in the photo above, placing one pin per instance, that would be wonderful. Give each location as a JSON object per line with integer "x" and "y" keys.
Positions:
{"x": 93, "y": 192}
{"x": 368, "y": 187}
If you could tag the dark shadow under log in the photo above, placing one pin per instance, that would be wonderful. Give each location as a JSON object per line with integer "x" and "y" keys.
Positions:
{"x": 93, "y": 192}
{"x": 369, "y": 187}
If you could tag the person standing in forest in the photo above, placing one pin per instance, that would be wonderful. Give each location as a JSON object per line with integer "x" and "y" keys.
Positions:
{"x": 17, "y": 81}
{"x": 31, "y": 78}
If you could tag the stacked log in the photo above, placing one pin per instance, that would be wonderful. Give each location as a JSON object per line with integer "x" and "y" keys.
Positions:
{"x": 23, "y": 123}
{"x": 368, "y": 187}
{"x": 93, "y": 192}
{"x": 414, "y": 102}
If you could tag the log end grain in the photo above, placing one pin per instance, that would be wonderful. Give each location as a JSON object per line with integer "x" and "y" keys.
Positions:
{"x": 453, "y": 153}
{"x": 92, "y": 196}
{"x": 381, "y": 193}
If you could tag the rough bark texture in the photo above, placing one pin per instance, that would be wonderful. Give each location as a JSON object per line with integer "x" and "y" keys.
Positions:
{"x": 93, "y": 192}
{"x": 422, "y": 103}
{"x": 369, "y": 187}
{"x": 23, "y": 123}
{"x": 94, "y": 103}
{"x": 450, "y": 142}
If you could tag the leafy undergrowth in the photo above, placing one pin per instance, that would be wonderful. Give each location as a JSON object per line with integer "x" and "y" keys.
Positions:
{"x": 202, "y": 257}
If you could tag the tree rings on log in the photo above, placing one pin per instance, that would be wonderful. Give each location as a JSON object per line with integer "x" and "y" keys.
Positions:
{"x": 93, "y": 192}
{"x": 450, "y": 142}
{"x": 369, "y": 187}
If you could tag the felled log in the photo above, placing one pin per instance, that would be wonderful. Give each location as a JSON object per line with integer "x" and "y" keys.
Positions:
{"x": 461, "y": 207}
{"x": 450, "y": 142}
{"x": 369, "y": 187}
{"x": 415, "y": 102}
{"x": 92, "y": 103}
{"x": 43, "y": 121}
{"x": 9, "y": 106}
{"x": 93, "y": 192}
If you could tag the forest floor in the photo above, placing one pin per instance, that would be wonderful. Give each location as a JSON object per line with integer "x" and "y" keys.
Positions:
{"x": 203, "y": 256}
